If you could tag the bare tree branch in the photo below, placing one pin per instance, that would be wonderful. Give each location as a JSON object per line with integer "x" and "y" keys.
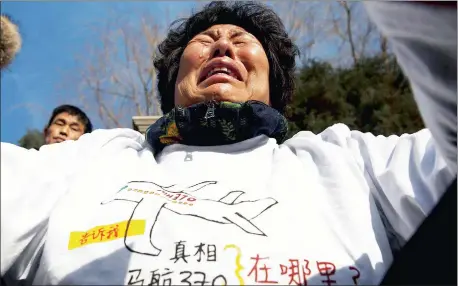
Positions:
{"x": 365, "y": 38}
{"x": 301, "y": 20}
{"x": 348, "y": 15}
{"x": 349, "y": 26}
{"x": 117, "y": 79}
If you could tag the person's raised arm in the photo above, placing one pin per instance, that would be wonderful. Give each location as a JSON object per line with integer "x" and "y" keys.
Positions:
{"x": 408, "y": 174}
{"x": 32, "y": 184}
{"x": 423, "y": 36}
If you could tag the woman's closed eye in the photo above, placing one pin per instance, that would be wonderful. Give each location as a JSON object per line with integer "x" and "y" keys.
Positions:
{"x": 243, "y": 39}
{"x": 239, "y": 41}
{"x": 204, "y": 39}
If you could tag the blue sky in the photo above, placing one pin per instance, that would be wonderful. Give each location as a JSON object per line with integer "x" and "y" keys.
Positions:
{"x": 53, "y": 33}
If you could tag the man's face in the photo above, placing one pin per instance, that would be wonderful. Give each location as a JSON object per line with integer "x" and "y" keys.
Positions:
{"x": 64, "y": 127}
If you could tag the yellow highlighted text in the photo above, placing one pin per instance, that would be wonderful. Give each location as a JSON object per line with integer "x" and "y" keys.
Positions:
{"x": 104, "y": 233}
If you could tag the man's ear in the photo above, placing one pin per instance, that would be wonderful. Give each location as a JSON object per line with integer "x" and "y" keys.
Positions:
{"x": 45, "y": 131}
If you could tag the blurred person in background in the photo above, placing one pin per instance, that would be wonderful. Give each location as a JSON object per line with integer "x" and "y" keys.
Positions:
{"x": 67, "y": 122}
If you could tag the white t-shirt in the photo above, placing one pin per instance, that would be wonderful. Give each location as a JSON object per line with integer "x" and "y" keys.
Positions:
{"x": 319, "y": 209}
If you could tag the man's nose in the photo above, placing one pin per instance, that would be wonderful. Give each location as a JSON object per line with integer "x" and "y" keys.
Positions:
{"x": 64, "y": 131}
{"x": 223, "y": 47}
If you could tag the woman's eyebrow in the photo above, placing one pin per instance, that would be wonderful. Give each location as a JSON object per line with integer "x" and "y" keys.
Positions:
{"x": 236, "y": 33}
{"x": 233, "y": 33}
{"x": 210, "y": 33}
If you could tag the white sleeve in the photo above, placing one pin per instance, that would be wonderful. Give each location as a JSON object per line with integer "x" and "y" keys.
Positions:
{"x": 33, "y": 182}
{"x": 407, "y": 174}
{"x": 424, "y": 40}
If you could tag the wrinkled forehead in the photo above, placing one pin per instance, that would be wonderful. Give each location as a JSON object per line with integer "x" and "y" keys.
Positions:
{"x": 226, "y": 30}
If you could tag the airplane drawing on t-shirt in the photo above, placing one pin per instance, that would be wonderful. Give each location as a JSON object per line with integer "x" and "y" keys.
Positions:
{"x": 230, "y": 209}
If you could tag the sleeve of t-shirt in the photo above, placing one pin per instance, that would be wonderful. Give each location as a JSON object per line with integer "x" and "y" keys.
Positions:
{"x": 32, "y": 184}
{"x": 406, "y": 174}
{"x": 424, "y": 39}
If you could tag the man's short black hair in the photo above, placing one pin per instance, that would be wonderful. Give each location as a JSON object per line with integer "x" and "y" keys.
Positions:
{"x": 75, "y": 111}
{"x": 254, "y": 17}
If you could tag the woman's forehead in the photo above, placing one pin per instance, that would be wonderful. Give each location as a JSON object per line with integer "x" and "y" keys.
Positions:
{"x": 224, "y": 28}
{"x": 230, "y": 30}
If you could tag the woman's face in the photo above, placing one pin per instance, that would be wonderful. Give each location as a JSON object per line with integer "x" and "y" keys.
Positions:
{"x": 223, "y": 63}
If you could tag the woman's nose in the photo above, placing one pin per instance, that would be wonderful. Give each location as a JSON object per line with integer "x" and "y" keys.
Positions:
{"x": 223, "y": 47}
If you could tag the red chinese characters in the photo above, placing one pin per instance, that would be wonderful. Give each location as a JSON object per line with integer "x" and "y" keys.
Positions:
{"x": 261, "y": 273}
{"x": 113, "y": 232}
{"x": 299, "y": 271}
{"x": 296, "y": 272}
{"x": 84, "y": 238}
{"x": 102, "y": 233}
{"x": 326, "y": 269}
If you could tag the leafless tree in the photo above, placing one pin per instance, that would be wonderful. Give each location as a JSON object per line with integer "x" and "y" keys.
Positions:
{"x": 352, "y": 31}
{"x": 338, "y": 31}
{"x": 116, "y": 77}
{"x": 303, "y": 22}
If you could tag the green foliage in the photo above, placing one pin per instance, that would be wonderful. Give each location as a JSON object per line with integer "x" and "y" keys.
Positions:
{"x": 32, "y": 139}
{"x": 372, "y": 96}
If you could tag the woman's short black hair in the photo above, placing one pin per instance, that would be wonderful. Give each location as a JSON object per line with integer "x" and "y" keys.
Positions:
{"x": 75, "y": 111}
{"x": 257, "y": 19}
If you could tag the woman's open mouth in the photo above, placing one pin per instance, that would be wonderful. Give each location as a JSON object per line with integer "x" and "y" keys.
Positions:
{"x": 219, "y": 71}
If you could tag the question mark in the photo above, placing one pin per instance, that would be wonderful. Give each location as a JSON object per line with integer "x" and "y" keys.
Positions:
{"x": 355, "y": 277}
